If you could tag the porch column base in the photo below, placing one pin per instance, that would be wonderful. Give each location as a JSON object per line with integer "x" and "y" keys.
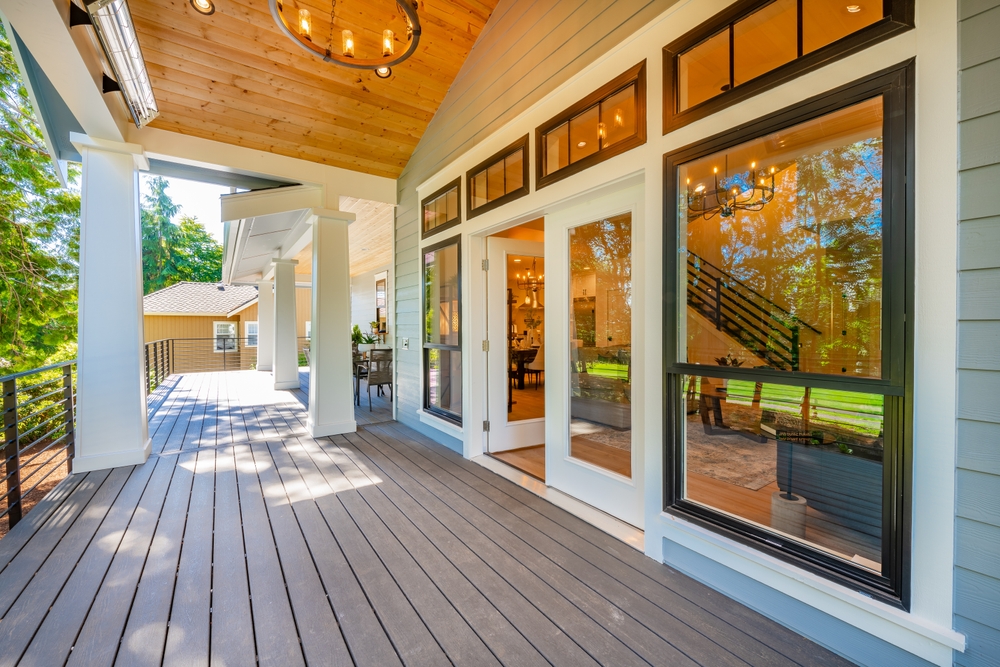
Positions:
{"x": 286, "y": 384}
{"x": 126, "y": 457}
{"x": 324, "y": 430}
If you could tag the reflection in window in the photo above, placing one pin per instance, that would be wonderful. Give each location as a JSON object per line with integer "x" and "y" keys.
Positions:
{"x": 783, "y": 239}
{"x": 441, "y": 341}
{"x": 804, "y": 462}
{"x": 502, "y": 177}
{"x": 601, "y": 343}
{"x": 607, "y": 122}
{"x": 441, "y": 209}
{"x": 763, "y": 41}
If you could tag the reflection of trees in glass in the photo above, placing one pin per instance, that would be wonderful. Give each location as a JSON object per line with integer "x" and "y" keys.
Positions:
{"x": 816, "y": 250}
{"x": 605, "y": 248}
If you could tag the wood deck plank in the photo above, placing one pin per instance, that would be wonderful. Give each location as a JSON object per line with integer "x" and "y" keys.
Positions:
{"x": 21, "y": 534}
{"x": 322, "y": 642}
{"x": 146, "y": 631}
{"x": 232, "y": 638}
{"x": 364, "y": 634}
{"x": 273, "y": 622}
{"x": 187, "y": 641}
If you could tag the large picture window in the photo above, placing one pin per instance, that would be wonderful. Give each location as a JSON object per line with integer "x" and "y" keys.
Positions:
{"x": 442, "y": 343}
{"x": 757, "y": 44}
{"x": 787, "y": 339}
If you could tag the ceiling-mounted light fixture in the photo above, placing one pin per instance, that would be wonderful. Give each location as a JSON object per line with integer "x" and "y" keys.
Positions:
{"x": 289, "y": 19}
{"x": 750, "y": 191}
{"x": 206, "y": 7}
{"x": 112, "y": 21}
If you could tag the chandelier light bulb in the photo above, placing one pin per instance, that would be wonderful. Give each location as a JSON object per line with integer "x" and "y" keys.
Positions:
{"x": 305, "y": 24}
{"x": 619, "y": 118}
{"x": 348, "y": 43}
{"x": 601, "y": 131}
{"x": 388, "y": 46}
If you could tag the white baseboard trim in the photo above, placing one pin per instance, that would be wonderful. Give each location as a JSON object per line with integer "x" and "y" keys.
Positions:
{"x": 129, "y": 457}
{"x": 323, "y": 430}
{"x": 287, "y": 384}
{"x": 616, "y": 528}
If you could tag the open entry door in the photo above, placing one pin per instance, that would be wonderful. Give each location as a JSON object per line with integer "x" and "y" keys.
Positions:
{"x": 516, "y": 334}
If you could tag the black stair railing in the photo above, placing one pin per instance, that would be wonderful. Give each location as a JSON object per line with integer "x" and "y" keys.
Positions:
{"x": 761, "y": 326}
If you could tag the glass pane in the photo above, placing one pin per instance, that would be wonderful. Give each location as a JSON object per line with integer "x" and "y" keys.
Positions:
{"x": 514, "y": 168}
{"x": 783, "y": 236}
{"x": 826, "y": 21}
{"x": 444, "y": 380}
{"x": 479, "y": 190}
{"x": 557, "y": 149}
{"x": 600, "y": 278}
{"x": 703, "y": 71}
{"x": 583, "y": 137}
{"x": 495, "y": 181}
{"x": 618, "y": 115}
{"x": 451, "y": 205}
{"x": 765, "y": 40}
{"x": 526, "y": 337}
{"x": 806, "y": 463}
{"x": 441, "y": 285}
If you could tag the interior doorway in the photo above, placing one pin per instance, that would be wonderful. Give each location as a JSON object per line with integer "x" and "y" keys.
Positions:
{"x": 516, "y": 354}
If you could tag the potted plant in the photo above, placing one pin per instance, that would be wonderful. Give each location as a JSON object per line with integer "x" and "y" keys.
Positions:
{"x": 356, "y": 336}
{"x": 367, "y": 342}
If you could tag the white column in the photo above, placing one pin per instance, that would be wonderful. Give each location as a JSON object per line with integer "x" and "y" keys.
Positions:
{"x": 265, "y": 325}
{"x": 111, "y": 401}
{"x": 286, "y": 349}
{"x": 331, "y": 394}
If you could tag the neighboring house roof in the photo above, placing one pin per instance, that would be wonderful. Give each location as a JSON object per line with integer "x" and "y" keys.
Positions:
{"x": 199, "y": 299}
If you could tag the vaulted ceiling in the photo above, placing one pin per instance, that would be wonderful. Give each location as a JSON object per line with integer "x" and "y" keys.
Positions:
{"x": 235, "y": 77}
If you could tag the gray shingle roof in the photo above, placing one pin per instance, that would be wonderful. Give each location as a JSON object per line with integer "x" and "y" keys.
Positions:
{"x": 195, "y": 298}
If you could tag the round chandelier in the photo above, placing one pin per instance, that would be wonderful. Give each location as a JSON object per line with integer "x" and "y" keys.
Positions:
{"x": 296, "y": 21}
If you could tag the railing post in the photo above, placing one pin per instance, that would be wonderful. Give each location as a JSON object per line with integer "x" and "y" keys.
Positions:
{"x": 156, "y": 366}
{"x": 12, "y": 452}
{"x": 718, "y": 302}
{"x": 146, "y": 383}
{"x": 70, "y": 414}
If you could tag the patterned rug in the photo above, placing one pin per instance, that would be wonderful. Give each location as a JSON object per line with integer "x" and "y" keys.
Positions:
{"x": 602, "y": 434}
{"x": 730, "y": 457}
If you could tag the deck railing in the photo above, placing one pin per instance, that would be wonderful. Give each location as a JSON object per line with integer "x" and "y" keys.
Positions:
{"x": 197, "y": 355}
{"x": 39, "y": 434}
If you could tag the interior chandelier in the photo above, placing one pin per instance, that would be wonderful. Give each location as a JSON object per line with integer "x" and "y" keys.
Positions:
{"x": 727, "y": 200}
{"x": 297, "y": 23}
{"x": 530, "y": 282}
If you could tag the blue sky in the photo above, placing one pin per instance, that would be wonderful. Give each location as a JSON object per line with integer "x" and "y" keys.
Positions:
{"x": 200, "y": 200}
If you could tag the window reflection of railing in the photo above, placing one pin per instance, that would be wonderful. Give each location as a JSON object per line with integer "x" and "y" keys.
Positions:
{"x": 761, "y": 326}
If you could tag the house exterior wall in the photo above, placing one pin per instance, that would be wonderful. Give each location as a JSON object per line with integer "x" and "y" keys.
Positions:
{"x": 499, "y": 80}
{"x": 478, "y": 125}
{"x": 363, "y": 298}
{"x": 977, "y": 522}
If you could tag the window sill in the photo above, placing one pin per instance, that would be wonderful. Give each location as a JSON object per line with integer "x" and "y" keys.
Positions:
{"x": 889, "y": 623}
{"x": 442, "y": 425}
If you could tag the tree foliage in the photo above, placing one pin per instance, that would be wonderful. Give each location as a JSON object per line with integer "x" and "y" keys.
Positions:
{"x": 174, "y": 252}
{"x": 39, "y": 236}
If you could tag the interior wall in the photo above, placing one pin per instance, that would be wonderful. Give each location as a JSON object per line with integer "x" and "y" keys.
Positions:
{"x": 501, "y": 78}
{"x": 363, "y": 298}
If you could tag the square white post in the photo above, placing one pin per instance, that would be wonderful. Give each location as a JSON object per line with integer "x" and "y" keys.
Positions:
{"x": 265, "y": 325}
{"x": 111, "y": 399}
{"x": 331, "y": 393}
{"x": 286, "y": 349}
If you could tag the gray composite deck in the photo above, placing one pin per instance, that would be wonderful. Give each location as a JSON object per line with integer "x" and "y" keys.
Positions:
{"x": 242, "y": 540}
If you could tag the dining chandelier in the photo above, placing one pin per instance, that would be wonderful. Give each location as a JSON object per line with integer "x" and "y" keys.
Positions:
{"x": 737, "y": 195}
{"x": 296, "y": 21}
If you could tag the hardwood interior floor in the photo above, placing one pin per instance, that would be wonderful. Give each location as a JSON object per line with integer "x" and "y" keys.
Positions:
{"x": 529, "y": 403}
{"x": 531, "y": 460}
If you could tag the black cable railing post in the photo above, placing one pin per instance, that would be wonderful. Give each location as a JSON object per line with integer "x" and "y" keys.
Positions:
{"x": 12, "y": 452}
{"x": 146, "y": 383}
{"x": 70, "y": 413}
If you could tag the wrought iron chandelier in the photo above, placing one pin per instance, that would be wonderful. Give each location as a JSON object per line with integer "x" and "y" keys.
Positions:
{"x": 296, "y": 23}
{"x": 531, "y": 281}
{"x": 737, "y": 195}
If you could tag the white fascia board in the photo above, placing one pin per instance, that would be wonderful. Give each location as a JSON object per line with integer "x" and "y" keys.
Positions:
{"x": 198, "y": 152}
{"x": 182, "y": 314}
{"x": 240, "y": 309}
{"x": 243, "y": 205}
{"x": 71, "y": 60}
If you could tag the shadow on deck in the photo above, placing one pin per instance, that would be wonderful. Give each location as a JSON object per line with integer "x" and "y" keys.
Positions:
{"x": 242, "y": 540}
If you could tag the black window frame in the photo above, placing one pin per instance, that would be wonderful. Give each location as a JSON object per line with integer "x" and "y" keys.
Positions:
{"x": 896, "y": 84}
{"x": 499, "y": 156}
{"x": 634, "y": 75}
{"x": 448, "y": 224}
{"x": 424, "y": 345}
{"x": 897, "y": 18}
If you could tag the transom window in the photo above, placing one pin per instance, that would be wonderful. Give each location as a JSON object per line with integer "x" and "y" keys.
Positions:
{"x": 757, "y": 44}
{"x": 607, "y": 122}
{"x": 442, "y": 209}
{"x": 503, "y": 177}
{"x": 788, "y": 338}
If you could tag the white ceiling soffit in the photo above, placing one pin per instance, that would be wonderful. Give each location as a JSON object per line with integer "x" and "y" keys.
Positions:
{"x": 263, "y": 226}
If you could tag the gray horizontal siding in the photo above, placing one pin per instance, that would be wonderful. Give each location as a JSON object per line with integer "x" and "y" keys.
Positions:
{"x": 526, "y": 50}
{"x": 977, "y": 527}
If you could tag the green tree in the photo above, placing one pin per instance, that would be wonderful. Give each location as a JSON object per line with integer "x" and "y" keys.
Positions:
{"x": 173, "y": 252}
{"x": 39, "y": 236}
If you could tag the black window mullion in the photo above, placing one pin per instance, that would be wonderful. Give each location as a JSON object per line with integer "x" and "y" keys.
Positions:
{"x": 798, "y": 28}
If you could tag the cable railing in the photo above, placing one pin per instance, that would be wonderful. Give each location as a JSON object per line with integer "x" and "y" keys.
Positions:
{"x": 197, "y": 355}
{"x": 39, "y": 435}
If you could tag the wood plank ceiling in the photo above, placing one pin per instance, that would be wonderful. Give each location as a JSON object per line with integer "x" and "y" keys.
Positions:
{"x": 370, "y": 237}
{"x": 234, "y": 77}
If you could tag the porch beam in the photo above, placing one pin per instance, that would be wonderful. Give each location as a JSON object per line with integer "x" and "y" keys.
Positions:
{"x": 331, "y": 394}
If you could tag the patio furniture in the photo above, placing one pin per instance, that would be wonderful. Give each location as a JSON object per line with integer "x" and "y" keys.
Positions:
{"x": 536, "y": 366}
{"x": 379, "y": 372}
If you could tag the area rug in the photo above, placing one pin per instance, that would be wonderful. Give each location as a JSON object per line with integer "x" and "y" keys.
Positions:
{"x": 602, "y": 434}
{"x": 730, "y": 457}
